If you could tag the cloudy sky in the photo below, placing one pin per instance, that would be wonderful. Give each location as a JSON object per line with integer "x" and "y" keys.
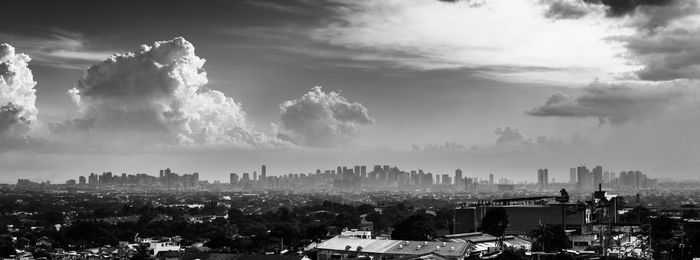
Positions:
{"x": 488, "y": 86}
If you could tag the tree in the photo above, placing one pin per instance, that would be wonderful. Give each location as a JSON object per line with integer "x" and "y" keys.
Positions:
{"x": 416, "y": 227}
{"x": 689, "y": 211}
{"x": 142, "y": 253}
{"x": 550, "y": 239}
{"x": 6, "y": 247}
{"x": 495, "y": 222}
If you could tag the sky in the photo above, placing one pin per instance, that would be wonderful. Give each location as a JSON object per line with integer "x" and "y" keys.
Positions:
{"x": 486, "y": 86}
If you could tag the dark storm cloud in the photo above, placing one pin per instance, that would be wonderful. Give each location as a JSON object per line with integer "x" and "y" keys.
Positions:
{"x": 322, "y": 119}
{"x": 614, "y": 104}
{"x": 670, "y": 53}
{"x": 623, "y": 7}
{"x": 565, "y": 9}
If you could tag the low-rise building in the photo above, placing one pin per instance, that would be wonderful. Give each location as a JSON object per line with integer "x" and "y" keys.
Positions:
{"x": 351, "y": 248}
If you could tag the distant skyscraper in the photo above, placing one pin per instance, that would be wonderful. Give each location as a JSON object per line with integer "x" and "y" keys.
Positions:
{"x": 458, "y": 177}
{"x": 583, "y": 177}
{"x": 263, "y": 172}
{"x": 542, "y": 178}
{"x": 233, "y": 178}
{"x": 81, "y": 180}
{"x": 446, "y": 179}
{"x": 255, "y": 175}
{"x": 597, "y": 175}
{"x": 572, "y": 175}
{"x": 491, "y": 179}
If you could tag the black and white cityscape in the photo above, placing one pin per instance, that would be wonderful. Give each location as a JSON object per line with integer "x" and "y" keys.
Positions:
{"x": 349, "y": 129}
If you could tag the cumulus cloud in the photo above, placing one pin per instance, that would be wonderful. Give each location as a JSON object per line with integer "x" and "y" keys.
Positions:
{"x": 160, "y": 90}
{"x": 18, "y": 113}
{"x": 512, "y": 136}
{"x": 615, "y": 104}
{"x": 508, "y": 135}
{"x": 321, "y": 119}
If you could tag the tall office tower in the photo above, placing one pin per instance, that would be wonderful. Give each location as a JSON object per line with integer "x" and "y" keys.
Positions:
{"x": 363, "y": 171}
{"x": 606, "y": 177}
{"x": 356, "y": 170}
{"x": 246, "y": 177}
{"x": 583, "y": 178}
{"x": 263, "y": 173}
{"x": 458, "y": 177}
{"x": 613, "y": 178}
{"x": 81, "y": 180}
{"x": 255, "y": 175}
{"x": 233, "y": 178}
{"x": 542, "y": 178}
{"x": 572, "y": 175}
{"x": 597, "y": 176}
{"x": 491, "y": 179}
{"x": 446, "y": 179}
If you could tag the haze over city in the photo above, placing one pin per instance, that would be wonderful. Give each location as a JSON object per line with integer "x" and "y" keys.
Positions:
{"x": 489, "y": 87}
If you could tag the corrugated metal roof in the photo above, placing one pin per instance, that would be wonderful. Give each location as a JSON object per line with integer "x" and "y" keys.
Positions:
{"x": 394, "y": 247}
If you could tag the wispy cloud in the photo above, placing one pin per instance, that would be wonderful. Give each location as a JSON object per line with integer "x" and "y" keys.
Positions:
{"x": 58, "y": 48}
{"x": 431, "y": 35}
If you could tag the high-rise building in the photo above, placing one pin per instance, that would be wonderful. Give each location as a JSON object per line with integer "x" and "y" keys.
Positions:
{"x": 583, "y": 177}
{"x": 81, "y": 180}
{"x": 263, "y": 173}
{"x": 446, "y": 179}
{"x": 542, "y": 178}
{"x": 606, "y": 177}
{"x": 572, "y": 175}
{"x": 491, "y": 179}
{"x": 246, "y": 177}
{"x": 255, "y": 176}
{"x": 597, "y": 176}
{"x": 458, "y": 177}
{"x": 233, "y": 178}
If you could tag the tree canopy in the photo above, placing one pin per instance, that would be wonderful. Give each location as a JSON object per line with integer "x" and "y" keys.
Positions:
{"x": 415, "y": 227}
{"x": 495, "y": 222}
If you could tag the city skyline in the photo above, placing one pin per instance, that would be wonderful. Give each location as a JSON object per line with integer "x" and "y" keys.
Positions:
{"x": 488, "y": 87}
{"x": 581, "y": 178}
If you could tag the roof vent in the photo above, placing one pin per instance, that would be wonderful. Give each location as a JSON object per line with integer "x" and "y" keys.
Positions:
{"x": 452, "y": 248}
{"x": 418, "y": 247}
{"x": 444, "y": 244}
{"x": 425, "y": 243}
{"x": 348, "y": 247}
{"x": 405, "y": 242}
{"x": 359, "y": 248}
{"x": 400, "y": 246}
{"x": 437, "y": 248}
